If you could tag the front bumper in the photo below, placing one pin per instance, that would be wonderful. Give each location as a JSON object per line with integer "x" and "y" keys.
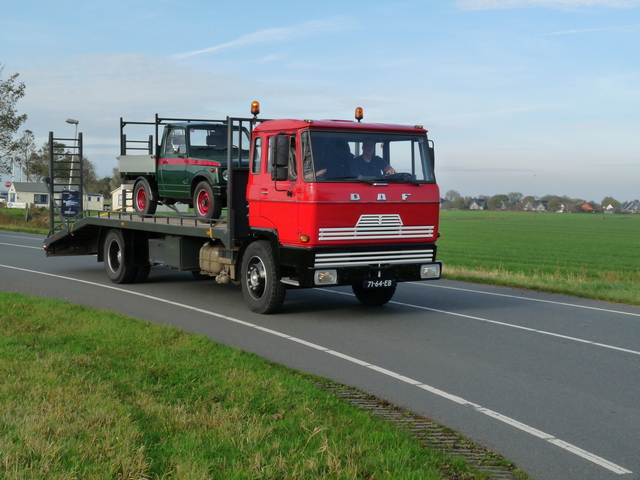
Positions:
{"x": 403, "y": 263}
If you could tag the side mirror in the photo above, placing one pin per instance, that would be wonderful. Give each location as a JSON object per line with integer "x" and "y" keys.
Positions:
{"x": 279, "y": 157}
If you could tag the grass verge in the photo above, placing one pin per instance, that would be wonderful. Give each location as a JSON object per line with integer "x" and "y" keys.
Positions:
{"x": 17, "y": 220}
{"x": 93, "y": 395}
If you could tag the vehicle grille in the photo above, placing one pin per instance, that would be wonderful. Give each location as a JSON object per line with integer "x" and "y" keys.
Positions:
{"x": 355, "y": 259}
{"x": 376, "y": 227}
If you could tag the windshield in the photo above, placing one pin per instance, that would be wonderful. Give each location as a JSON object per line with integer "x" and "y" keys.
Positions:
{"x": 211, "y": 141}
{"x": 355, "y": 156}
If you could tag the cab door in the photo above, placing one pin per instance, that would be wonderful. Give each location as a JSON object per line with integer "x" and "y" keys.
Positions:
{"x": 172, "y": 164}
{"x": 274, "y": 203}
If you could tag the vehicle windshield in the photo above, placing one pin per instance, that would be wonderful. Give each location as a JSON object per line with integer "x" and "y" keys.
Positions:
{"x": 211, "y": 141}
{"x": 355, "y": 156}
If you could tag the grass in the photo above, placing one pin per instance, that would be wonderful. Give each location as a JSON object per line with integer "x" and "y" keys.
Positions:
{"x": 15, "y": 220}
{"x": 91, "y": 394}
{"x": 585, "y": 255}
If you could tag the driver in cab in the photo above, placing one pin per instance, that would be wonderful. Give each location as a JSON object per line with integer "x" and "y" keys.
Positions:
{"x": 370, "y": 165}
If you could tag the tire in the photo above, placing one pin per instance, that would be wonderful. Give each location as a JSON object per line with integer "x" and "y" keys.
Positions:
{"x": 116, "y": 263}
{"x": 373, "y": 297}
{"x": 205, "y": 203}
{"x": 142, "y": 202}
{"x": 262, "y": 290}
{"x": 142, "y": 274}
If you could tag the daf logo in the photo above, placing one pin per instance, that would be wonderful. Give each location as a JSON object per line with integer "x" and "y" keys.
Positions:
{"x": 381, "y": 196}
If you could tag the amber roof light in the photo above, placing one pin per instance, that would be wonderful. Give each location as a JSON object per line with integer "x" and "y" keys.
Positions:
{"x": 255, "y": 108}
{"x": 359, "y": 114}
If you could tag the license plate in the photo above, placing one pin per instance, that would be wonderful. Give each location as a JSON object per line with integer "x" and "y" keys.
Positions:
{"x": 379, "y": 283}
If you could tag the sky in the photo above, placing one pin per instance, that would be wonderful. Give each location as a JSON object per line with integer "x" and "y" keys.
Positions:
{"x": 533, "y": 96}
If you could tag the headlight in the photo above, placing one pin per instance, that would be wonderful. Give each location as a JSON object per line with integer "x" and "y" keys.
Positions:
{"x": 430, "y": 271}
{"x": 326, "y": 277}
{"x": 225, "y": 175}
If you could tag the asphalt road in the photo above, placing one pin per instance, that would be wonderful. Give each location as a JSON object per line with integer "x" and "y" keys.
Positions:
{"x": 550, "y": 382}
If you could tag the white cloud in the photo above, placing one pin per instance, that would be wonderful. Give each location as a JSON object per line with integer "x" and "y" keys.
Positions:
{"x": 270, "y": 35}
{"x": 501, "y": 4}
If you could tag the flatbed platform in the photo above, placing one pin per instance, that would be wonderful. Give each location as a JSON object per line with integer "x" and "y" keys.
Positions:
{"x": 84, "y": 229}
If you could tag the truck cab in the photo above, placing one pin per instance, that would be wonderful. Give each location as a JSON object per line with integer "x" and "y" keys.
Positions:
{"x": 345, "y": 203}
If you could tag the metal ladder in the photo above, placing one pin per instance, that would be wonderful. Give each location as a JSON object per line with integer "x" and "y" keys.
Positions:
{"x": 66, "y": 191}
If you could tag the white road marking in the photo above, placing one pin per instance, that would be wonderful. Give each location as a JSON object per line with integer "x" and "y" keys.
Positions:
{"x": 504, "y": 324}
{"x": 41, "y": 239}
{"x": 575, "y": 305}
{"x": 459, "y": 400}
{"x": 519, "y": 327}
{"x": 21, "y": 246}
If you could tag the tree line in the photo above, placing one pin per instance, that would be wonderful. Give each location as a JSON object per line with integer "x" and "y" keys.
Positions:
{"x": 517, "y": 201}
{"x": 23, "y": 153}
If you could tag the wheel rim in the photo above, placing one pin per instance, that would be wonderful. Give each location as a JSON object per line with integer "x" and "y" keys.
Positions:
{"x": 203, "y": 202}
{"x": 141, "y": 199}
{"x": 115, "y": 256}
{"x": 256, "y": 278}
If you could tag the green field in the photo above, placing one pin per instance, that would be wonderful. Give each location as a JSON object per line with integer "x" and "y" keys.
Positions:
{"x": 589, "y": 255}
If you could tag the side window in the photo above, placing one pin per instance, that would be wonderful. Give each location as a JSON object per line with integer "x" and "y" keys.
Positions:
{"x": 175, "y": 142}
{"x": 293, "y": 161}
{"x": 257, "y": 155}
{"x": 292, "y": 167}
{"x": 271, "y": 140}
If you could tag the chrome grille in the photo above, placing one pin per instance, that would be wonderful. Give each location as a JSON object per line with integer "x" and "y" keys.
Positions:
{"x": 355, "y": 259}
{"x": 375, "y": 227}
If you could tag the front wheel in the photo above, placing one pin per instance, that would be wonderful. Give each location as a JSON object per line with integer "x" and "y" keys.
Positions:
{"x": 262, "y": 290}
{"x": 116, "y": 263}
{"x": 142, "y": 202}
{"x": 205, "y": 204}
{"x": 373, "y": 296}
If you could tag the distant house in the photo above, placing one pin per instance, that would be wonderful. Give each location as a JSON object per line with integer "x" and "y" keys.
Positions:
{"x": 541, "y": 206}
{"x": 527, "y": 206}
{"x": 93, "y": 201}
{"x": 22, "y": 194}
{"x": 564, "y": 208}
{"x": 631, "y": 207}
{"x": 478, "y": 204}
{"x": 589, "y": 207}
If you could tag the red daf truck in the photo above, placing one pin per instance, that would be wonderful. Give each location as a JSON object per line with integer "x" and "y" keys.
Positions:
{"x": 279, "y": 204}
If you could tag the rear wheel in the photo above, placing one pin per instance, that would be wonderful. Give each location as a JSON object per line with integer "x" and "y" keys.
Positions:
{"x": 373, "y": 296}
{"x": 116, "y": 263}
{"x": 262, "y": 290}
{"x": 142, "y": 202}
{"x": 142, "y": 274}
{"x": 205, "y": 204}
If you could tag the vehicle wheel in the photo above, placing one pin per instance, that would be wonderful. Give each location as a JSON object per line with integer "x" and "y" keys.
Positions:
{"x": 142, "y": 202}
{"x": 142, "y": 274}
{"x": 373, "y": 296}
{"x": 205, "y": 204}
{"x": 115, "y": 261}
{"x": 262, "y": 290}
